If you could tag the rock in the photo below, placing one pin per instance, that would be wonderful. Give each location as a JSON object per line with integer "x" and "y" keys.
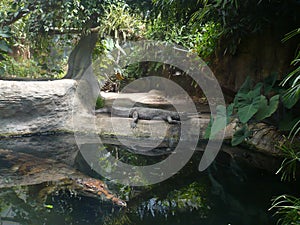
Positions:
{"x": 265, "y": 139}
{"x": 35, "y": 106}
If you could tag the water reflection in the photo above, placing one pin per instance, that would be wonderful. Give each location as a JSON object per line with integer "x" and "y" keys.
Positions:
{"x": 228, "y": 193}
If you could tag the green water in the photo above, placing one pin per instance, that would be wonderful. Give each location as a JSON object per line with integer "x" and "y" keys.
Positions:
{"x": 229, "y": 192}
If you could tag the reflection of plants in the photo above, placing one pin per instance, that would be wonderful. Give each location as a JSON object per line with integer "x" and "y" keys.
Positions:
{"x": 119, "y": 219}
{"x": 288, "y": 207}
{"x": 187, "y": 198}
{"x": 23, "y": 209}
{"x": 119, "y": 153}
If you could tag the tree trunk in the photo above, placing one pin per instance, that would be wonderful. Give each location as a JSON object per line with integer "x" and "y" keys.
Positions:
{"x": 81, "y": 56}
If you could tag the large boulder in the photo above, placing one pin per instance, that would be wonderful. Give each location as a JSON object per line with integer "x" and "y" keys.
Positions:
{"x": 35, "y": 106}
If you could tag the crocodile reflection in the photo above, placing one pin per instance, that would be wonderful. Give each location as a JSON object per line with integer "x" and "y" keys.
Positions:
{"x": 21, "y": 169}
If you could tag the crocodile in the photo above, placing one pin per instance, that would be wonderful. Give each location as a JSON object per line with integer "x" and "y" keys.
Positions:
{"x": 22, "y": 169}
{"x": 143, "y": 113}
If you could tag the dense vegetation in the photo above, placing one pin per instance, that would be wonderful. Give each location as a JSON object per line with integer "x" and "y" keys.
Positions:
{"x": 36, "y": 38}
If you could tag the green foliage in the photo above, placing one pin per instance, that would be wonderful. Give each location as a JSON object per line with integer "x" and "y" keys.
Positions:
{"x": 201, "y": 40}
{"x": 249, "y": 105}
{"x": 240, "y": 135}
{"x": 121, "y": 23}
{"x": 292, "y": 95}
{"x": 291, "y": 153}
{"x": 250, "y": 102}
{"x": 238, "y": 18}
{"x": 5, "y": 48}
{"x": 266, "y": 110}
{"x": 25, "y": 68}
{"x": 288, "y": 207}
{"x": 205, "y": 39}
{"x": 189, "y": 197}
{"x": 100, "y": 102}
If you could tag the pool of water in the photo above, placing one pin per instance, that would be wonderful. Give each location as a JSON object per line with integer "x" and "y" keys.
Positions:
{"x": 229, "y": 192}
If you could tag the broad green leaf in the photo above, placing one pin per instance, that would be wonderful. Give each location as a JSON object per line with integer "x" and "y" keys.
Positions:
{"x": 4, "y": 34}
{"x": 4, "y": 46}
{"x": 257, "y": 89}
{"x": 265, "y": 109}
{"x": 240, "y": 135}
{"x": 248, "y": 109}
{"x": 269, "y": 82}
{"x": 246, "y": 86}
{"x": 2, "y": 71}
{"x": 247, "y": 103}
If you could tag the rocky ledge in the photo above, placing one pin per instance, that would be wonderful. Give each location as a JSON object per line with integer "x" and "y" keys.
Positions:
{"x": 31, "y": 107}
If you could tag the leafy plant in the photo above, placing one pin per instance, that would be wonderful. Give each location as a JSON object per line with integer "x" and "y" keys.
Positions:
{"x": 24, "y": 68}
{"x": 4, "y": 35}
{"x": 4, "y": 46}
{"x": 292, "y": 95}
{"x": 249, "y": 105}
{"x": 239, "y": 18}
{"x": 120, "y": 22}
{"x": 288, "y": 207}
{"x": 288, "y": 166}
{"x": 240, "y": 135}
{"x": 100, "y": 102}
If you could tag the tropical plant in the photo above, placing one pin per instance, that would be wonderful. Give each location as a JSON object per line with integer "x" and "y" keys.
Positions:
{"x": 291, "y": 154}
{"x": 251, "y": 104}
{"x": 4, "y": 45}
{"x": 121, "y": 23}
{"x": 288, "y": 208}
{"x": 292, "y": 80}
{"x": 238, "y": 18}
{"x": 4, "y": 48}
{"x": 26, "y": 68}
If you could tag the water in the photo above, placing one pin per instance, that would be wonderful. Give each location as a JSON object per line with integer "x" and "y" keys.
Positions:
{"x": 229, "y": 192}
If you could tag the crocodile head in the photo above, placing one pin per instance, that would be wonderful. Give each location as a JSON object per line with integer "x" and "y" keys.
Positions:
{"x": 98, "y": 188}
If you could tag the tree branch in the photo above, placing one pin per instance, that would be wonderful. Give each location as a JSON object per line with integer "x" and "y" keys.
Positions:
{"x": 71, "y": 31}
